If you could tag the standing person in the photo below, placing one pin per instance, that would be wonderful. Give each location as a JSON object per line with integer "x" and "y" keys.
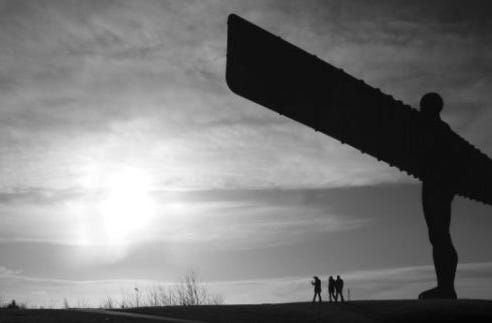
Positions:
{"x": 339, "y": 288}
{"x": 331, "y": 288}
{"x": 317, "y": 288}
{"x": 437, "y": 196}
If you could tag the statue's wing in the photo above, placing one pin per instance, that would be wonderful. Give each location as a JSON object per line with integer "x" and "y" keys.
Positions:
{"x": 266, "y": 69}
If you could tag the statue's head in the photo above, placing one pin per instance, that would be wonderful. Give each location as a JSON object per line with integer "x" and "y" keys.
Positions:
{"x": 431, "y": 104}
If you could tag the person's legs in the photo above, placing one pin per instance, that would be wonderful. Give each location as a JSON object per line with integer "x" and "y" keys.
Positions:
{"x": 437, "y": 212}
{"x": 341, "y": 296}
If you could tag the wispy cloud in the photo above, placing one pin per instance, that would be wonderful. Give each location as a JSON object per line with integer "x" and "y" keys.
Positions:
{"x": 223, "y": 218}
{"x": 111, "y": 83}
{"x": 250, "y": 225}
{"x": 143, "y": 85}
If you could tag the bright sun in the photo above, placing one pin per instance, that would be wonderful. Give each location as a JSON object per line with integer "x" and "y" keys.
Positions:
{"x": 127, "y": 206}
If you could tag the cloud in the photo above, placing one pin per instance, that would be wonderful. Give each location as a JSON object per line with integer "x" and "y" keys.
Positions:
{"x": 143, "y": 85}
{"x": 5, "y": 272}
{"x": 248, "y": 225}
{"x": 220, "y": 219}
{"x": 38, "y": 196}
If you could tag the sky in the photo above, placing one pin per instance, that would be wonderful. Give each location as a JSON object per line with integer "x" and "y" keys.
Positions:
{"x": 126, "y": 161}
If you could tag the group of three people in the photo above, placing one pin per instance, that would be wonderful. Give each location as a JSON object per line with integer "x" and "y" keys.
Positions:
{"x": 335, "y": 289}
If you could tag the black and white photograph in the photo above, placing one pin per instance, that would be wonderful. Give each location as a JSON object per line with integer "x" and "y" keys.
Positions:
{"x": 245, "y": 161}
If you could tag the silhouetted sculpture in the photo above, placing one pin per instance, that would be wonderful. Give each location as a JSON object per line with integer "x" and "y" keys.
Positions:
{"x": 437, "y": 195}
{"x": 339, "y": 289}
{"x": 270, "y": 71}
{"x": 317, "y": 288}
{"x": 331, "y": 288}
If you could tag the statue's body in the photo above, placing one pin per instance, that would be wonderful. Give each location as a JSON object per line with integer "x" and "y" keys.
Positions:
{"x": 284, "y": 78}
{"x": 437, "y": 196}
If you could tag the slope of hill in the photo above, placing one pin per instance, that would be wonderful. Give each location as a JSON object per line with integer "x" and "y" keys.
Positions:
{"x": 355, "y": 311}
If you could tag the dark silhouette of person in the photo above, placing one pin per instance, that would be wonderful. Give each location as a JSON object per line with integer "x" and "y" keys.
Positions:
{"x": 331, "y": 288}
{"x": 437, "y": 196}
{"x": 339, "y": 289}
{"x": 317, "y": 288}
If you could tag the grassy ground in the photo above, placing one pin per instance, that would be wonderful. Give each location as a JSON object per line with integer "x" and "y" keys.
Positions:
{"x": 356, "y": 311}
{"x": 58, "y": 316}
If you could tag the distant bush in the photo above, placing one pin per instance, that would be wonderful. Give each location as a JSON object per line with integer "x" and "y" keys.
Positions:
{"x": 108, "y": 303}
{"x": 189, "y": 291}
{"x": 15, "y": 306}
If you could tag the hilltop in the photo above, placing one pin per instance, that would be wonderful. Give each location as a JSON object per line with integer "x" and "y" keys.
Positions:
{"x": 355, "y": 311}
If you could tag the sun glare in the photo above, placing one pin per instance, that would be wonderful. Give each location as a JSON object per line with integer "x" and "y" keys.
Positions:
{"x": 127, "y": 206}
